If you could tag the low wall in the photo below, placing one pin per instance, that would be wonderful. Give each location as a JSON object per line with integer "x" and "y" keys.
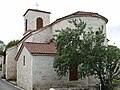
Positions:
{"x": 72, "y": 85}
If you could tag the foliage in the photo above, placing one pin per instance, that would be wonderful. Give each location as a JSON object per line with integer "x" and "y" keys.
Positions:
{"x": 68, "y": 43}
{"x": 12, "y": 43}
{"x": 116, "y": 82}
{"x": 1, "y": 51}
{"x": 2, "y": 45}
{"x": 89, "y": 52}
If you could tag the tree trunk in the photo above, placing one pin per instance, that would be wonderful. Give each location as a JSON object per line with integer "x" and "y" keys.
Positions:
{"x": 102, "y": 87}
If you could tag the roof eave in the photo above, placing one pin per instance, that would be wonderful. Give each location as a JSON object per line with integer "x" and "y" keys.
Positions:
{"x": 43, "y": 54}
{"x": 36, "y": 10}
{"x": 83, "y": 15}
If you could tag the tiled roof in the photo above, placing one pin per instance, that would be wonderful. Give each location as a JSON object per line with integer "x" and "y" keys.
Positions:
{"x": 81, "y": 14}
{"x": 36, "y": 10}
{"x": 40, "y": 48}
{"x": 37, "y": 48}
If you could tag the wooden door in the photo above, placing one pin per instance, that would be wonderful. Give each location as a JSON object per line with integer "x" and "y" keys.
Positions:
{"x": 73, "y": 73}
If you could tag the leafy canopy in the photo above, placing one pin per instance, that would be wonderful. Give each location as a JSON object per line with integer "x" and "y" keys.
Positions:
{"x": 88, "y": 50}
{"x": 68, "y": 44}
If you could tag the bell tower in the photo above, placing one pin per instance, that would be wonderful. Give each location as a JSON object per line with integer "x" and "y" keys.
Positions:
{"x": 35, "y": 19}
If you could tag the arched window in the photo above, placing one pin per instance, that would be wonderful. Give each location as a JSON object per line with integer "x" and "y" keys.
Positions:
{"x": 26, "y": 25}
{"x": 39, "y": 23}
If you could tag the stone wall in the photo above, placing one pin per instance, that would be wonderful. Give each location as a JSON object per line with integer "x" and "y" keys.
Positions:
{"x": 24, "y": 70}
{"x": 3, "y": 68}
{"x": 0, "y": 59}
{"x": 43, "y": 36}
{"x": 11, "y": 70}
{"x": 44, "y": 75}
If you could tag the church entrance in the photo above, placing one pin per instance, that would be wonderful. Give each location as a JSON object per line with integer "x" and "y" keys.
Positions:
{"x": 73, "y": 73}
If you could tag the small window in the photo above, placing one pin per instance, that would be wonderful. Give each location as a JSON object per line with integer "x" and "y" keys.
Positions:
{"x": 23, "y": 60}
{"x": 26, "y": 25}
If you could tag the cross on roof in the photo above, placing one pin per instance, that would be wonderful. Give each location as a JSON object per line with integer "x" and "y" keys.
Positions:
{"x": 36, "y": 5}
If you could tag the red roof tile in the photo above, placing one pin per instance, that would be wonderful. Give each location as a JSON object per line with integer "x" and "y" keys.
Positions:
{"x": 83, "y": 13}
{"x": 40, "y": 48}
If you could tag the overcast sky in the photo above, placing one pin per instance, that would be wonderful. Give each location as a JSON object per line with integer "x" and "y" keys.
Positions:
{"x": 12, "y": 21}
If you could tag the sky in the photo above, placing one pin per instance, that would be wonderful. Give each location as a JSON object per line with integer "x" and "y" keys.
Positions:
{"x": 12, "y": 20}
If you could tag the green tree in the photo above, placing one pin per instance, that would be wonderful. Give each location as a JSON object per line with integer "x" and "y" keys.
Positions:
{"x": 68, "y": 43}
{"x": 2, "y": 45}
{"x": 87, "y": 50}
{"x": 12, "y": 43}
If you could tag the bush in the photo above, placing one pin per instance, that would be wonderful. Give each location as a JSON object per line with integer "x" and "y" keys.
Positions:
{"x": 12, "y": 43}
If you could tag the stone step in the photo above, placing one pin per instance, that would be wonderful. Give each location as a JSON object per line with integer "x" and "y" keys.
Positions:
{"x": 68, "y": 89}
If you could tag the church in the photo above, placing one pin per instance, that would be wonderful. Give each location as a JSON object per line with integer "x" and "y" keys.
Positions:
{"x": 30, "y": 62}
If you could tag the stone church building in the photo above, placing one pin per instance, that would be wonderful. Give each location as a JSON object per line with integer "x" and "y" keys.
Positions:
{"x": 30, "y": 62}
